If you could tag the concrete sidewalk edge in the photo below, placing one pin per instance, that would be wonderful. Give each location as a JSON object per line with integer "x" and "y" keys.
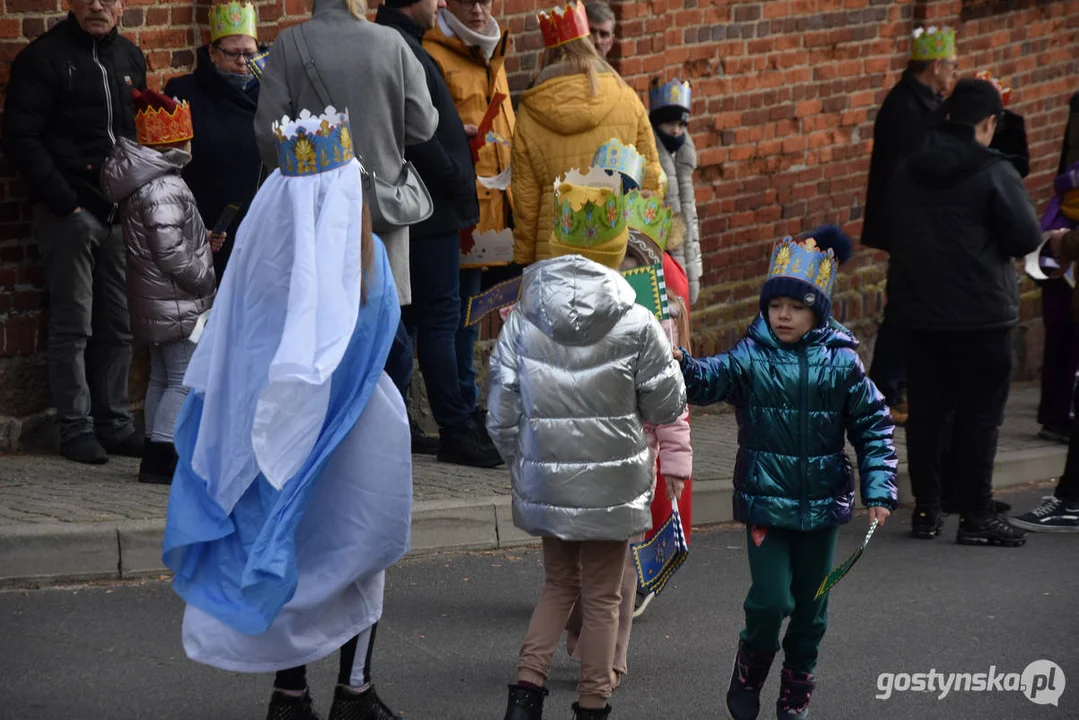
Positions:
{"x": 59, "y": 553}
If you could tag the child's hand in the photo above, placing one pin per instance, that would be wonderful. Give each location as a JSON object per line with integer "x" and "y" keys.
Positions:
{"x": 674, "y": 487}
{"x": 678, "y": 354}
{"x": 217, "y": 240}
{"x": 878, "y": 513}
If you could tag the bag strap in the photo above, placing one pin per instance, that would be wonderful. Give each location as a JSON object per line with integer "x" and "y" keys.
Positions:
{"x": 309, "y": 67}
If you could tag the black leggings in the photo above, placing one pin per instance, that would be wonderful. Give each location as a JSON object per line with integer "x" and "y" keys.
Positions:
{"x": 296, "y": 678}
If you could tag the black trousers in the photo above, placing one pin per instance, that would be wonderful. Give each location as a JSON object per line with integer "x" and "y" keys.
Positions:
{"x": 957, "y": 387}
{"x": 888, "y": 371}
{"x": 1068, "y": 487}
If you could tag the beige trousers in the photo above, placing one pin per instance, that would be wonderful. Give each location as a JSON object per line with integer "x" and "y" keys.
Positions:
{"x": 589, "y": 574}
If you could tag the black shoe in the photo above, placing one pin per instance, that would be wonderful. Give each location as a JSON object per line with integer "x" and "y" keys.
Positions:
{"x": 1053, "y": 515}
{"x": 422, "y": 443}
{"x": 989, "y": 530}
{"x": 130, "y": 446}
{"x": 471, "y": 446}
{"x": 925, "y": 523}
{"x": 795, "y": 689}
{"x": 348, "y": 705}
{"x": 949, "y": 508}
{"x": 158, "y": 463}
{"x": 84, "y": 448}
{"x": 1055, "y": 434}
{"x": 525, "y": 703}
{"x": 291, "y": 707}
{"x": 747, "y": 679}
{"x": 580, "y": 713}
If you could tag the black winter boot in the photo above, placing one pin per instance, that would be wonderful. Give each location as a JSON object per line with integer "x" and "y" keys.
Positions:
{"x": 750, "y": 672}
{"x": 795, "y": 689}
{"x": 158, "y": 463}
{"x": 925, "y": 523}
{"x": 525, "y": 703}
{"x": 580, "y": 713}
{"x": 367, "y": 705}
{"x": 291, "y": 707}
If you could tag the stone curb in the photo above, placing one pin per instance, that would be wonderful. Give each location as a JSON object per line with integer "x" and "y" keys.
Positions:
{"x": 60, "y": 553}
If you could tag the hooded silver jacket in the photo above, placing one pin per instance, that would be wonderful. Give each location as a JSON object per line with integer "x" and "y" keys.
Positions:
{"x": 170, "y": 268}
{"x": 577, "y": 369}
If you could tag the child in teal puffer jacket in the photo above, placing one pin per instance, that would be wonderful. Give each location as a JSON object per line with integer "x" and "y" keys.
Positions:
{"x": 799, "y": 388}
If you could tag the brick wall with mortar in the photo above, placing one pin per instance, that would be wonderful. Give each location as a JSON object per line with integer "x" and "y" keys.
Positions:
{"x": 785, "y": 93}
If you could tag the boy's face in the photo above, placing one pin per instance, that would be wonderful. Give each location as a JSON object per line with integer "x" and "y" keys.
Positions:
{"x": 674, "y": 129}
{"x": 789, "y": 319}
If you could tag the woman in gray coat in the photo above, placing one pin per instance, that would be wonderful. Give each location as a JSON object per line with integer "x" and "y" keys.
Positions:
{"x": 170, "y": 280}
{"x": 367, "y": 70}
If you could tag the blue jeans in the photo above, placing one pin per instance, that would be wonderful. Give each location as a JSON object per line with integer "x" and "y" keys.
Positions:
{"x": 466, "y": 339}
{"x": 432, "y": 319}
{"x": 399, "y": 361}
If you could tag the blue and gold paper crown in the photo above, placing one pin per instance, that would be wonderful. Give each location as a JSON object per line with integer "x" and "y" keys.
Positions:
{"x": 672, "y": 94}
{"x": 804, "y": 261}
{"x": 313, "y": 144}
{"x": 933, "y": 43}
{"x": 233, "y": 18}
{"x": 617, "y": 157}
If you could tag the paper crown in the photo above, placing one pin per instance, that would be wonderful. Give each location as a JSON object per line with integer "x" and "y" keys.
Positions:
{"x": 161, "y": 120}
{"x": 649, "y": 218}
{"x": 672, "y": 94}
{"x": 933, "y": 43}
{"x": 313, "y": 144}
{"x": 560, "y": 27}
{"x": 1005, "y": 92}
{"x": 616, "y": 157}
{"x": 590, "y": 217}
{"x": 257, "y": 65}
{"x": 233, "y": 18}
{"x": 804, "y": 261}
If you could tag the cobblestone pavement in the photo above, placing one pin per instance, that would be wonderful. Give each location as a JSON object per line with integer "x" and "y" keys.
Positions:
{"x": 39, "y": 489}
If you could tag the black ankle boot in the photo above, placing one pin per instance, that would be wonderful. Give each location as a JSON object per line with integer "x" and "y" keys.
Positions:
{"x": 580, "y": 713}
{"x": 158, "y": 463}
{"x": 349, "y": 705}
{"x": 747, "y": 679}
{"x": 525, "y": 703}
{"x": 291, "y": 707}
{"x": 795, "y": 689}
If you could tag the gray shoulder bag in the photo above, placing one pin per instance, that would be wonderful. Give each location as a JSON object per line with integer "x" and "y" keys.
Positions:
{"x": 403, "y": 203}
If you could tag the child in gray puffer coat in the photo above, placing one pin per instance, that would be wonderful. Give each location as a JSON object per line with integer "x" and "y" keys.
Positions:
{"x": 170, "y": 272}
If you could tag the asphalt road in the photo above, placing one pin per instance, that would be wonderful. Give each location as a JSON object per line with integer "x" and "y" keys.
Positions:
{"x": 448, "y": 641}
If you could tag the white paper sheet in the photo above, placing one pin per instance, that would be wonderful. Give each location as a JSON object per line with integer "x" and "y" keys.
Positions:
{"x": 1030, "y": 263}
{"x": 501, "y": 181}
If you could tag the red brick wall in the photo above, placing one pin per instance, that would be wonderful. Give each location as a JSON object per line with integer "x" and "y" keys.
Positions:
{"x": 785, "y": 93}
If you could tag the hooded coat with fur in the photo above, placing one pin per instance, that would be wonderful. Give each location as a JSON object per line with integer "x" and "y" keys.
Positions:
{"x": 560, "y": 124}
{"x": 170, "y": 267}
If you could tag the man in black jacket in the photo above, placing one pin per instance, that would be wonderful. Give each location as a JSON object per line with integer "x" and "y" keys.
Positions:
{"x": 445, "y": 164}
{"x": 906, "y": 114}
{"x": 957, "y": 216}
{"x": 68, "y": 101}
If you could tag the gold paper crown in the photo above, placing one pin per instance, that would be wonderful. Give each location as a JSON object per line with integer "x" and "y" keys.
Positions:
{"x": 590, "y": 217}
{"x": 933, "y": 43}
{"x": 233, "y": 18}
{"x": 158, "y": 126}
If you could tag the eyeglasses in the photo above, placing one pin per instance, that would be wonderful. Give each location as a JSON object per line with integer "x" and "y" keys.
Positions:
{"x": 234, "y": 55}
{"x": 473, "y": 3}
{"x": 104, "y": 3}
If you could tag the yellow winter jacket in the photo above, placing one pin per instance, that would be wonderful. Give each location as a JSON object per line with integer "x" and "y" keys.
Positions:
{"x": 473, "y": 82}
{"x": 560, "y": 125}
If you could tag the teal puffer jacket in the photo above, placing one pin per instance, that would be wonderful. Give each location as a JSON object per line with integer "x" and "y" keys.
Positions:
{"x": 795, "y": 404}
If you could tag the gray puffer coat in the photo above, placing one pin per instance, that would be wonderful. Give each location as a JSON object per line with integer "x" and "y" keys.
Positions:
{"x": 170, "y": 268}
{"x": 578, "y": 368}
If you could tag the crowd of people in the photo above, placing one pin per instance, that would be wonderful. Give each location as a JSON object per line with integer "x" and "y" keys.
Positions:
{"x": 287, "y": 234}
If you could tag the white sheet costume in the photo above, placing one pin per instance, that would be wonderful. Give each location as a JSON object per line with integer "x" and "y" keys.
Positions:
{"x": 293, "y": 493}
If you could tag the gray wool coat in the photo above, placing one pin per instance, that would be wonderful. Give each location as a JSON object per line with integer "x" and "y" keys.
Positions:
{"x": 368, "y": 70}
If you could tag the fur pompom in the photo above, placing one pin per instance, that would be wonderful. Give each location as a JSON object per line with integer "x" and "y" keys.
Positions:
{"x": 830, "y": 237}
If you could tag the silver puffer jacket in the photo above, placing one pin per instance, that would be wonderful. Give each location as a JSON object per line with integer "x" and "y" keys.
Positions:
{"x": 170, "y": 268}
{"x": 578, "y": 368}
